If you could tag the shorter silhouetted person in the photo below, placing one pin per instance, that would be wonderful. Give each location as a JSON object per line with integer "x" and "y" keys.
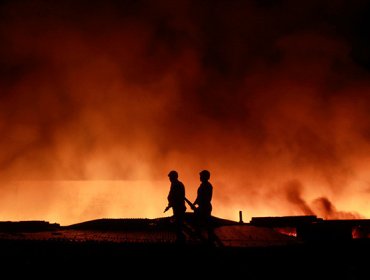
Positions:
{"x": 176, "y": 201}
{"x": 204, "y": 204}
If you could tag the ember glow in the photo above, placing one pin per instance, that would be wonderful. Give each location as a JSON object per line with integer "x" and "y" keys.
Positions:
{"x": 100, "y": 100}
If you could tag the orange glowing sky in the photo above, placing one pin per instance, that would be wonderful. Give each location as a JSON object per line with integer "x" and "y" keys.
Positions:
{"x": 98, "y": 101}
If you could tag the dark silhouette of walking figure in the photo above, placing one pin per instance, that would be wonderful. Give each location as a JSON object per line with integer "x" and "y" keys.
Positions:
{"x": 176, "y": 201}
{"x": 204, "y": 205}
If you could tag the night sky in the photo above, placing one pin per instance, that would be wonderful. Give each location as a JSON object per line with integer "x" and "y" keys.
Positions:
{"x": 273, "y": 97}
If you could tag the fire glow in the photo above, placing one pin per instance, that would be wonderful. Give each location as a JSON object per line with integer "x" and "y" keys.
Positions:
{"x": 99, "y": 102}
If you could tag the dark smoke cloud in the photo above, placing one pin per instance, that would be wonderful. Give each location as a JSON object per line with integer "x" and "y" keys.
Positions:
{"x": 322, "y": 207}
{"x": 260, "y": 92}
{"x": 294, "y": 196}
{"x": 327, "y": 210}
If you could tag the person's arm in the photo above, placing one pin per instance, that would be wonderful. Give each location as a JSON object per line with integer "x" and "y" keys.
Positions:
{"x": 199, "y": 196}
{"x": 166, "y": 209}
{"x": 208, "y": 193}
{"x": 170, "y": 198}
{"x": 196, "y": 201}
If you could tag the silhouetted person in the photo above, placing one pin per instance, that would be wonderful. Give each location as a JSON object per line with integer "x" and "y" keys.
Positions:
{"x": 204, "y": 196}
{"x": 203, "y": 201}
{"x": 176, "y": 201}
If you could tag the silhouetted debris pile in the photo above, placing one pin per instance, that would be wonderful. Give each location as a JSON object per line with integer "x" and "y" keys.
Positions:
{"x": 28, "y": 226}
{"x": 285, "y": 221}
{"x": 333, "y": 230}
{"x": 252, "y": 236}
{"x": 310, "y": 228}
{"x": 165, "y": 223}
{"x": 119, "y": 224}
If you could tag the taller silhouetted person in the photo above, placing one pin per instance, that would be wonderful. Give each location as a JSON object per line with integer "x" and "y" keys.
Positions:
{"x": 176, "y": 201}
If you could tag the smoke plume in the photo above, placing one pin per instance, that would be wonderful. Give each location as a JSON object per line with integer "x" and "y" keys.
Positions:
{"x": 99, "y": 100}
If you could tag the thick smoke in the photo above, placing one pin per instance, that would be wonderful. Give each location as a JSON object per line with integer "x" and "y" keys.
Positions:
{"x": 264, "y": 94}
{"x": 321, "y": 206}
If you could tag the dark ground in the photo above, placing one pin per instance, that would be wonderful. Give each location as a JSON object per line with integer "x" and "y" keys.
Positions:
{"x": 146, "y": 249}
{"x": 107, "y": 260}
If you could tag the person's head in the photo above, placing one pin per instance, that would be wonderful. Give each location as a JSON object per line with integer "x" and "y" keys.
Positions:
{"x": 204, "y": 175}
{"x": 173, "y": 175}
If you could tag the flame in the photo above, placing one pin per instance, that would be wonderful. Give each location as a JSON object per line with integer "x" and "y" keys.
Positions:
{"x": 360, "y": 232}
{"x": 287, "y": 231}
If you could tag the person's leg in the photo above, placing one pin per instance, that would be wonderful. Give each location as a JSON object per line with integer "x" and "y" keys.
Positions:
{"x": 179, "y": 223}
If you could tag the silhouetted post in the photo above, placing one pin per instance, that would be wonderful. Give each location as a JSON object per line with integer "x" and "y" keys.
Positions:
{"x": 240, "y": 217}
